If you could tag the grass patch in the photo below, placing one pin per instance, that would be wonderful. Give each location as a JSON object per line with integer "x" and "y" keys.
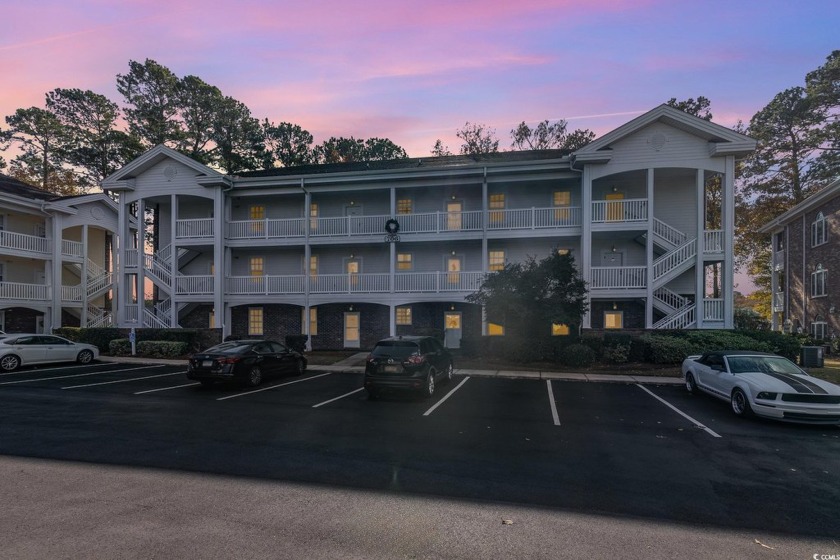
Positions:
{"x": 830, "y": 371}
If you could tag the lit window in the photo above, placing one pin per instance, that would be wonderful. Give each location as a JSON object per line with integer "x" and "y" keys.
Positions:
{"x": 819, "y": 231}
{"x": 563, "y": 251}
{"x": 313, "y": 216}
{"x": 562, "y": 199}
{"x": 256, "y": 266}
{"x": 255, "y": 321}
{"x": 404, "y": 206}
{"x": 313, "y": 320}
{"x": 257, "y": 212}
{"x": 404, "y": 261}
{"x": 313, "y": 265}
{"x": 212, "y": 319}
{"x": 613, "y": 319}
{"x": 818, "y": 281}
{"x": 496, "y": 261}
{"x": 559, "y": 329}
{"x": 497, "y": 202}
{"x": 494, "y": 329}
{"x": 403, "y": 315}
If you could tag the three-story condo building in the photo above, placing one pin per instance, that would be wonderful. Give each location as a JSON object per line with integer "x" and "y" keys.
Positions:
{"x": 56, "y": 256}
{"x": 350, "y": 253}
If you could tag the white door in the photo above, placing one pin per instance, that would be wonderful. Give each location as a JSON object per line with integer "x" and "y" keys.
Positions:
{"x": 39, "y": 324}
{"x": 612, "y": 258}
{"x": 452, "y": 326}
{"x": 351, "y": 330}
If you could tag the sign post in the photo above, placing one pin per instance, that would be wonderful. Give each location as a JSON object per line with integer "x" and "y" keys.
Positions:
{"x": 132, "y": 337}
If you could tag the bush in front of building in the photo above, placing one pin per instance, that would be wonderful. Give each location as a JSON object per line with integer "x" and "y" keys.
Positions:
{"x": 577, "y": 355}
{"x": 161, "y": 349}
{"x": 663, "y": 349}
{"x": 616, "y": 354}
{"x": 100, "y": 337}
{"x": 296, "y": 342}
{"x": 120, "y": 347}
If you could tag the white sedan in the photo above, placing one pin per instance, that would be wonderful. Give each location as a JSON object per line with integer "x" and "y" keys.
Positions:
{"x": 763, "y": 384}
{"x": 24, "y": 349}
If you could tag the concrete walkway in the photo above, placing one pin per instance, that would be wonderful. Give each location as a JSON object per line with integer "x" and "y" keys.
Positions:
{"x": 351, "y": 365}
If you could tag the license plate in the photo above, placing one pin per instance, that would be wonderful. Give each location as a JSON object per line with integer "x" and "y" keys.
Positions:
{"x": 391, "y": 369}
{"x": 207, "y": 363}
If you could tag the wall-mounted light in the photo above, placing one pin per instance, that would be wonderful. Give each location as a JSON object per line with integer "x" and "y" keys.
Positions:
{"x": 615, "y": 189}
{"x": 451, "y": 308}
{"x": 615, "y": 306}
{"x": 352, "y": 203}
{"x": 351, "y": 308}
{"x": 452, "y": 253}
{"x": 452, "y": 197}
{"x": 613, "y": 249}
{"x": 352, "y": 256}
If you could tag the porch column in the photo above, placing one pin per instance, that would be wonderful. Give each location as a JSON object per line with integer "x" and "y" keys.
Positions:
{"x": 173, "y": 260}
{"x": 118, "y": 264}
{"x": 221, "y": 216}
{"x": 485, "y": 259}
{"x": 699, "y": 263}
{"x": 728, "y": 273}
{"x": 586, "y": 238}
{"x": 649, "y": 251}
{"x": 52, "y": 277}
{"x": 141, "y": 265}
{"x": 84, "y": 275}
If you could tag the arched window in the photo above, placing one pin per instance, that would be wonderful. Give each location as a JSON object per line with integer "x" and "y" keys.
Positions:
{"x": 819, "y": 232}
{"x": 818, "y": 327}
{"x": 818, "y": 281}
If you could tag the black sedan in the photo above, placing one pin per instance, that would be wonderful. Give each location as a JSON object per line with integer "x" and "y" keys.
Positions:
{"x": 245, "y": 361}
{"x": 407, "y": 362}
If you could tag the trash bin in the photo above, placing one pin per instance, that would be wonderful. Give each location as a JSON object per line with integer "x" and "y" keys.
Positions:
{"x": 812, "y": 356}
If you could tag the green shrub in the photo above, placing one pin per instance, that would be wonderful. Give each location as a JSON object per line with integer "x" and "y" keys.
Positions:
{"x": 617, "y": 354}
{"x": 161, "y": 349}
{"x": 119, "y": 347}
{"x": 666, "y": 349}
{"x": 594, "y": 342}
{"x": 577, "y": 355}
{"x": 782, "y": 344}
{"x": 100, "y": 337}
{"x": 296, "y": 342}
{"x": 471, "y": 346}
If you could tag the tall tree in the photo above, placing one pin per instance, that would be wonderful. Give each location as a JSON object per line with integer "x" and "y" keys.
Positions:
{"x": 287, "y": 144}
{"x": 439, "y": 149}
{"x": 237, "y": 137}
{"x": 823, "y": 87}
{"x": 700, "y": 107}
{"x": 150, "y": 91}
{"x": 477, "y": 139}
{"x": 93, "y": 144}
{"x": 530, "y": 296}
{"x": 346, "y": 150}
{"x": 547, "y": 135}
{"x": 41, "y": 138}
{"x": 197, "y": 104}
{"x": 382, "y": 149}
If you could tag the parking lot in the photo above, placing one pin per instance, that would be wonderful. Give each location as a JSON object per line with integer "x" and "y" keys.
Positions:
{"x": 647, "y": 450}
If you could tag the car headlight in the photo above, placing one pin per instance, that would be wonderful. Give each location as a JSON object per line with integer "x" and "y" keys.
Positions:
{"x": 766, "y": 396}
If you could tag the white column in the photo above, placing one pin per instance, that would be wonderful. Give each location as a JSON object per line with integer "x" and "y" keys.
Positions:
{"x": 118, "y": 263}
{"x": 52, "y": 274}
{"x": 84, "y": 276}
{"x": 649, "y": 250}
{"x": 221, "y": 216}
{"x": 586, "y": 236}
{"x": 728, "y": 273}
{"x": 173, "y": 259}
{"x": 699, "y": 264}
{"x": 141, "y": 265}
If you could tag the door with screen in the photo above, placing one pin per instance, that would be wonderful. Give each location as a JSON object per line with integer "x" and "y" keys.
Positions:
{"x": 351, "y": 330}
{"x": 452, "y": 332}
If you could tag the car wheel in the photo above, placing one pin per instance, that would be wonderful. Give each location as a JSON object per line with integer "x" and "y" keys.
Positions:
{"x": 85, "y": 357}
{"x": 690, "y": 384}
{"x": 254, "y": 376}
{"x": 740, "y": 403}
{"x": 450, "y": 372}
{"x": 206, "y": 382}
{"x": 9, "y": 363}
{"x": 300, "y": 367}
{"x": 429, "y": 388}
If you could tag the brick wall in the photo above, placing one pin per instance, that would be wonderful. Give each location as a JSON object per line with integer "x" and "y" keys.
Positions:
{"x": 634, "y": 313}
{"x": 279, "y": 320}
{"x": 21, "y": 320}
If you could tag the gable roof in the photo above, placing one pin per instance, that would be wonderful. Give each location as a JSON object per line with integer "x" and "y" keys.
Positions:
{"x": 722, "y": 141}
{"x": 813, "y": 201}
{"x": 123, "y": 179}
{"x": 12, "y": 186}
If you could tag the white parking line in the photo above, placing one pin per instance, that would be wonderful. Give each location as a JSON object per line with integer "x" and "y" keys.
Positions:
{"x": 42, "y": 370}
{"x": 77, "y": 375}
{"x": 449, "y": 394}
{"x": 166, "y": 388}
{"x": 553, "y": 405}
{"x": 272, "y": 387}
{"x": 680, "y": 412}
{"x": 124, "y": 380}
{"x": 337, "y": 398}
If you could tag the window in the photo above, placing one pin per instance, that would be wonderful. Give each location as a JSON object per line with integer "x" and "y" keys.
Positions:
{"x": 563, "y": 251}
{"x": 613, "y": 319}
{"x": 313, "y": 320}
{"x": 818, "y": 327}
{"x": 256, "y": 266}
{"x": 496, "y": 261}
{"x": 558, "y": 329}
{"x": 405, "y": 206}
{"x": 255, "y": 321}
{"x": 494, "y": 329}
{"x": 257, "y": 212}
{"x": 818, "y": 231}
{"x": 211, "y": 320}
{"x": 313, "y": 265}
{"x": 497, "y": 202}
{"x": 403, "y": 315}
{"x": 563, "y": 200}
{"x": 313, "y": 216}
{"x": 404, "y": 261}
{"x": 818, "y": 282}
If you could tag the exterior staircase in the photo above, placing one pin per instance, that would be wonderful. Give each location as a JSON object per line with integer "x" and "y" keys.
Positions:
{"x": 680, "y": 255}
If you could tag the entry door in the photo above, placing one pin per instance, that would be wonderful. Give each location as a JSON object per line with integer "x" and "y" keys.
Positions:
{"x": 614, "y": 209}
{"x": 39, "y": 324}
{"x": 351, "y": 330}
{"x": 354, "y": 218}
{"x": 610, "y": 258}
{"x": 453, "y": 214}
{"x": 452, "y": 326}
{"x": 453, "y": 269}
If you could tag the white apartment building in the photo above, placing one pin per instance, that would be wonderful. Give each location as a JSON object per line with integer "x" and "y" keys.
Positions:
{"x": 304, "y": 250}
{"x": 56, "y": 256}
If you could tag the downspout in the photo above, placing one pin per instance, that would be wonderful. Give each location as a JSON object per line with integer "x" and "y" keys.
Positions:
{"x": 307, "y": 255}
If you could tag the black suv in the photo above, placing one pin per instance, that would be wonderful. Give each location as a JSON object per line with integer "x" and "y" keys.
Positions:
{"x": 407, "y": 362}
{"x": 246, "y": 361}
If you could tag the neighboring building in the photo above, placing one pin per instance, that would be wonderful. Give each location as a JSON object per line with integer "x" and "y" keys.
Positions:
{"x": 806, "y": 265}
{"x": 56, "y": 256}
{"x": 304, "y": 249}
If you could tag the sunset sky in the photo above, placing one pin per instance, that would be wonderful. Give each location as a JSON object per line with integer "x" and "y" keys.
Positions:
{"x": 417, "y": 71}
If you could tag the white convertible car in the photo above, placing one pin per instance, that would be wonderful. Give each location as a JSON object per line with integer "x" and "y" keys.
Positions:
{"x": 763, "y": 384}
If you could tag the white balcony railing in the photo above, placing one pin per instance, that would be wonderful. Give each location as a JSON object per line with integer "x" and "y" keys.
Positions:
{"x": 604, "y": 277}
{"x": 20, "y": 291}
{"x": 439, "y": 222}
{"x": 132, "y": 312}
{"x": 195, "y": 228}
{"x": 200, "y": 285}
{"x": 436, "y": 282}
{"x": 349, "y": 283}
{"x": 23, "y": 242}
{"x": 669, "y": 233}
{"x": 613, "y": 211}
{"x": 72, "y": 248}
{"x": 713, "y": 309}
{"x": 71, "y": 293}
{"x": 264, "y": 229}
{"x": 713, "y": 241}
{"x": 533, "y": 218}
{"x": 265, "y": 285}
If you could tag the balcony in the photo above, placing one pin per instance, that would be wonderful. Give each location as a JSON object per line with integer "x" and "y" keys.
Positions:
{"x": 410, "y": 224}
{"x": 406, "y": 282}
{"x": 713, "y": 241}
{"x": 12, "y": 241}
{"x": 713, "y": 309}
{"x": 24, "y": 292}
{"x": 201, "y": 228}
{"x": 631, "y": 210}
{"x": 618, "y": 277}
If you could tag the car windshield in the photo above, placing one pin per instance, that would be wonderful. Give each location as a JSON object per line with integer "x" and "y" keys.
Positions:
{"x": 395, "y": 348}
{"x": 230, "y": 347}
{"x": 764, "y": 364}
